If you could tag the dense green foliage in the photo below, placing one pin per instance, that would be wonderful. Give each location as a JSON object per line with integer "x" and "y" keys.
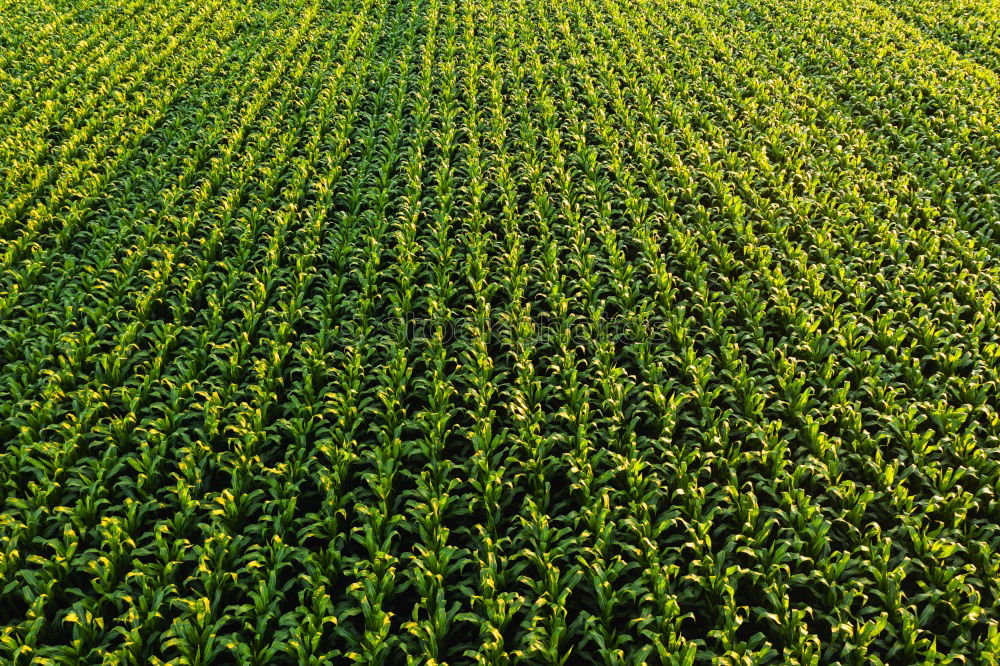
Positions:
{"x": 528, "y": 331}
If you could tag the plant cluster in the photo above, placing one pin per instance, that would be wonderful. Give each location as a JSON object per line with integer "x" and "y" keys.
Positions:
{"x": 709, "y": 347}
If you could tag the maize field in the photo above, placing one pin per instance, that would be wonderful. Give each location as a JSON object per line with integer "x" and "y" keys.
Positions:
{"x": 499, "y": 332}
